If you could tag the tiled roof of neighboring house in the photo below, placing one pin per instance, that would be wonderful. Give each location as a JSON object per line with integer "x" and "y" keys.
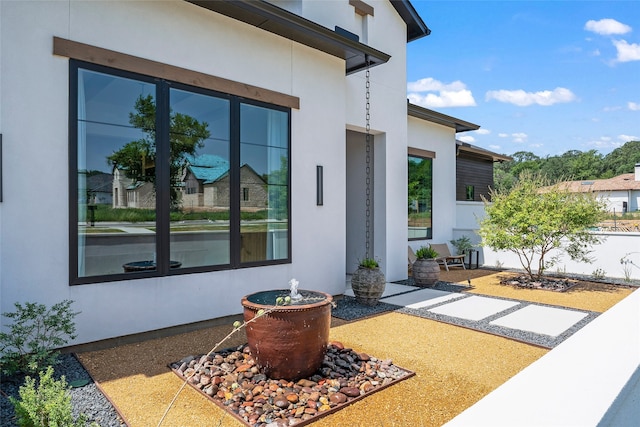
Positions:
{"x": 618, "y": 183}
{"x": 208, "y": 168}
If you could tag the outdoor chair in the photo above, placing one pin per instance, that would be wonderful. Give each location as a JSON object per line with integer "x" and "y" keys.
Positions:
{"x": 445, "y": 258}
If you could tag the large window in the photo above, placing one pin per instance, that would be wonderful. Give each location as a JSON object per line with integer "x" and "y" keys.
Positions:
{"x": 171, "y": 179}
{"x": 420, "y": 185}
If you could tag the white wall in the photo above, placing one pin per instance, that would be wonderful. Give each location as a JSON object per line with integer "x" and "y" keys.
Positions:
{"x": 606, "y": 257}
{"x": 440, "y": 139}
{"x": 34, "y": 115}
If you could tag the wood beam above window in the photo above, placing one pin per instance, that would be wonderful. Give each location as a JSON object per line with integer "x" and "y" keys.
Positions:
{"x": 361, "y": 7}
{"x": 125, "y": 62}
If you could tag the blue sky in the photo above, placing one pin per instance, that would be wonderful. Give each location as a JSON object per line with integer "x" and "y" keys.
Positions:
{"x": 539, "y": 76}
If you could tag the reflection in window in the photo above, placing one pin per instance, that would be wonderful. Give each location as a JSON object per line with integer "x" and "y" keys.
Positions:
{"x": 420, "y": 184}
{"x": 172, "y": 179}
{"x": 469, "y": 192}
{"x": 264, "y": 172}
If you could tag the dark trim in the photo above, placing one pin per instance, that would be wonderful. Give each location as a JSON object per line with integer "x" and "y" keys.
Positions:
{"x": 122, "y": 61}
{"x": 319, "y": 186}
{"x": 416, "y": 28}
{"x": 481, "y": 152}
{"x": 276, "y": 20}
{"x": 439, "y": 118}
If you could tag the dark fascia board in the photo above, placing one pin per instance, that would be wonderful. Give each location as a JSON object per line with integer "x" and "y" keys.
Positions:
{"x": 416, "y": 28}
{"x": 439, "y": 118}
{"x": 474, "y": 149}
{"x": 276, "y": 20}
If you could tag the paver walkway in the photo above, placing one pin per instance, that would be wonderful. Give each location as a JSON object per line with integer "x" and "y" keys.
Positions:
{"x": 534, "y": 323}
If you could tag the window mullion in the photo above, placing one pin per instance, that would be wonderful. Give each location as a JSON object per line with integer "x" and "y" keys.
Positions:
{"x": 163, "y": 181}
{"x": 234, "y": 185}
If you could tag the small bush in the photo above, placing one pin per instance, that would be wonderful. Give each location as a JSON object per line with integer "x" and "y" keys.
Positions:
{"x": 369, "y": 263}
{"x": 426, "y": 252}
{"x": 35, "y": 333}
{"x": 47, "y": 405}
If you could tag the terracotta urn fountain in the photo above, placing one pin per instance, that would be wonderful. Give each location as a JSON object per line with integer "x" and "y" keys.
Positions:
{"x": 288, "y": 341}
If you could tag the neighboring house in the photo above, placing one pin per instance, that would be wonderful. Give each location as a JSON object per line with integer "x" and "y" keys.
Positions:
{"x": 206, "y": 185}
{"x": 278, "y": 89}
{"x": 621, "y": 193}
{"x": 100, "y": 188}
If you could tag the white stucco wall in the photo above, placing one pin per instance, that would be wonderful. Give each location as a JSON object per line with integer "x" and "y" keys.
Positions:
{"x": 34, "y": 222}
{"x": 34, "y": 218}
{"x": 440, "y": 139}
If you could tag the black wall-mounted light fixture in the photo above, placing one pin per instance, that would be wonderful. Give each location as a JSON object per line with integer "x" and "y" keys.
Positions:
{"x": 319, "y": 186}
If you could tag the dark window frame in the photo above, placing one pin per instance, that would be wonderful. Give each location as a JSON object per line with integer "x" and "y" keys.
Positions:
{"x": 430, "y": 156}
{"x": 163, "y": 222}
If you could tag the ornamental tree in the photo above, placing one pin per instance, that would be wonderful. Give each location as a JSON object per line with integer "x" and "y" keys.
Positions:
{"x": 533, "y": 218}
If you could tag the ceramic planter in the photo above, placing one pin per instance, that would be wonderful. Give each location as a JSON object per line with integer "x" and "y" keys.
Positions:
{"x": 426, "y": 272}
{"x": 288, "y": 342}
{"x": 368, "y": 285}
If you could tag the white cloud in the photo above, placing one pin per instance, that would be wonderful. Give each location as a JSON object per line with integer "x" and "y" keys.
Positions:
{"x": 633, "y": 106}
{"x": 521, "y": 98}
{"x": 482, "y": 131}
{"x": 604, "y": 142}
{"x": 607, "y": 27}
{"x": 627, "y": 138}
{"x": 517, "y": 137}
{"x": 453, "y": 94}
{"x": 627, "y": 51}
{"x": 494, "y": 147}
{"x": 466, "y": 138}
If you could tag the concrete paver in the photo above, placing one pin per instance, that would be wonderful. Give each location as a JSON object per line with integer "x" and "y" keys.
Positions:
{"x": 474, "y": 307}
{"x": 422, "y": 298}
{"x": 541, "y": 319}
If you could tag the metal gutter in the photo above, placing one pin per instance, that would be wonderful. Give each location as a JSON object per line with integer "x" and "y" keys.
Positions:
{"x": 439, "y": 118}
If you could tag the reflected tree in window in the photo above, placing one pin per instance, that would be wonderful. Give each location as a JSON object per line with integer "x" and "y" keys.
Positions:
{"x": 420, "y": 185}
{"x": 137, "y": 159}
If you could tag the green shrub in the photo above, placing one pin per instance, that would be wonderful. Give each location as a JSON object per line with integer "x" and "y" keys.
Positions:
{"x": 47, "y": 405}
{"x": 35, "y": 333}
{"x": 426, "y": 252}
{"x": 369, "y": 263}
{"x": 462, "y": 245}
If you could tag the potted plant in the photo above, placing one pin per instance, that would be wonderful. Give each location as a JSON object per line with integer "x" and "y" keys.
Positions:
{"x": 368, "y": 282}
{"x": 463, "y": 245}
{"x": 426, "y": 270}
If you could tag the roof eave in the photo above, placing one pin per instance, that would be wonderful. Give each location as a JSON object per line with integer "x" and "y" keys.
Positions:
{"x": 439, "y": 118}
{"x": 276, "y": 20}
{"x": 416, "y": 28}
{"x": 463, "y": 146}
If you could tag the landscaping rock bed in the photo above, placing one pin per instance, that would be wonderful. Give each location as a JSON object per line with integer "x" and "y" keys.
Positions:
{"x": 232, "y": 380}
{"x": 546, "y": 283}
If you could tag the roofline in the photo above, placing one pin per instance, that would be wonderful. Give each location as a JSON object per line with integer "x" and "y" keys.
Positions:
{"x": 271, "y": 18}
{"x": 416, "y": 28}
{"x": 469, "y": 148}
{"x": 439, "y": 118}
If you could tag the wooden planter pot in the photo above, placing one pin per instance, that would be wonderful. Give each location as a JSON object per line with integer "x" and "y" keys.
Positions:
{"x": 290, "y": 341}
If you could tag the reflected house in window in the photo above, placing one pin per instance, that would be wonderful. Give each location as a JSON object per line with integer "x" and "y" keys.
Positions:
{"x": 128, "y": 193}
{"x": 100, "y": 188}
{"x": 206, "y": 185}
